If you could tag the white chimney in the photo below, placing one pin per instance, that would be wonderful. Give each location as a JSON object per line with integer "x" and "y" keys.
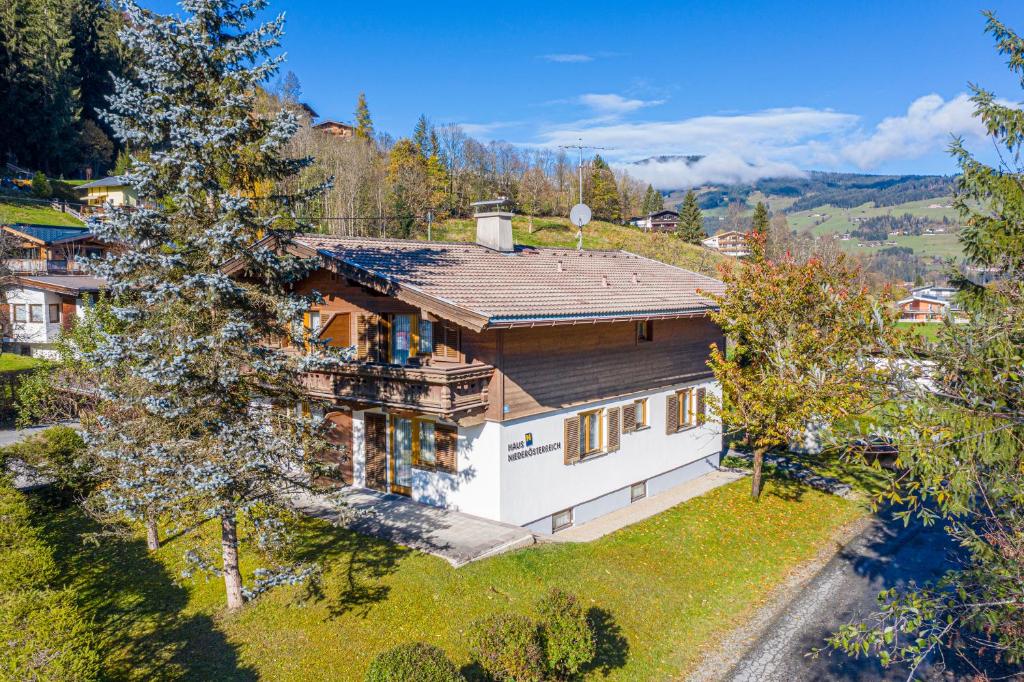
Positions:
{"x": 493, "y": 225}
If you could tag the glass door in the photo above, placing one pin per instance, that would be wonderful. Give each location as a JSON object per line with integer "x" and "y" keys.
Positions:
{"x": 401, "y": 456}
{"x": 401, "y": 339}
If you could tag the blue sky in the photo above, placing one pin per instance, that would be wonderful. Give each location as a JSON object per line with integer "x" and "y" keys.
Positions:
{"x": 867, "y": 86}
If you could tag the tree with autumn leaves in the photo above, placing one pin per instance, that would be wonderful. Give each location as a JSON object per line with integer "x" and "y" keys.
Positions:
{"x": 799, "y": 335}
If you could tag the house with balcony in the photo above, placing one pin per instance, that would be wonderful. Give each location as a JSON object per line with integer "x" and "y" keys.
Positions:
{"x": 38, "y": 308}
{"x": 731, "y": 243}
{"x": 48, "y": 249}
{"x": 929, "y": 304}
{"x": 541, "y": 387}
{"x": 113, "y": 190}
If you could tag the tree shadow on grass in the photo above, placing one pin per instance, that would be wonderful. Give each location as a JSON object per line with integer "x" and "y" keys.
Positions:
{"x": 612, "y": 646}
{"x": 362, "y": 560}
{"x": 136, "y": 606}
{"x": 783, "y": 487}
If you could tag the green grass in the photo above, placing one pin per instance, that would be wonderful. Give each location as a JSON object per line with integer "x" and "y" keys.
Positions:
{"x": 662, "y": 591}
{"x": 15, "y": 211}
{"x": 927, "y": 330}
{"x": 9, "y": 362}
{"x": 558, "y": 232}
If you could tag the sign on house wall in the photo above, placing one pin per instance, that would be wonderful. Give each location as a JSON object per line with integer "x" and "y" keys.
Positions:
{"x": 521, "y": 449}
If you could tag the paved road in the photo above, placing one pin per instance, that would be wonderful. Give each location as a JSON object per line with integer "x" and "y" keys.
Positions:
{"x": 885, "y": 555}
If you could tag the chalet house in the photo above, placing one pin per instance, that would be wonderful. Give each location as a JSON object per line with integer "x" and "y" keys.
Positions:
{"x": 661, "y": 221}
{"x": 540, "y": 387}
{"x": 731, "y": 243}
{"x": 342, "y": 130}
{"x": 48, "y": 249}
{"x": 113, "y": 190}
{"x": 39, "y": 307}
{"x": 928, "y": 304}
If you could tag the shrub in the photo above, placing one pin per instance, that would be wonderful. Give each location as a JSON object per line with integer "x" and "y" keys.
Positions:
{"x": 43, "y": 637}
{"x": 41, "y": 186}
{"x": 58, "y": 453}
{"x": 567, "y": 634}
{"x": 509, "y": 648}
{"x": 413, "y": 662}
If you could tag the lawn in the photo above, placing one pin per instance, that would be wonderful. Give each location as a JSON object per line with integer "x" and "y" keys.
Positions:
{"x": 559, "y": 232}
{"x": 16, "y": 211}
{"x": 9, "y": 362}
{"x": 660, "y": 591}
{"x": 928, "y": 330}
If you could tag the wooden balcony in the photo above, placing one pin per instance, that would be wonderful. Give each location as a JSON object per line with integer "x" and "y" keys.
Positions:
{"x": 450, "y": 391}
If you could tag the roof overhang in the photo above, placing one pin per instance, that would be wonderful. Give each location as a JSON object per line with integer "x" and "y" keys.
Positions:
{"x": 31, "y": 283}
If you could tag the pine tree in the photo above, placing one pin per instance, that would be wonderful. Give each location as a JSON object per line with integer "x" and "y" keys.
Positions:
{"x": 604, "y": 196}
{"x": 291, "y": 89}
{"x": 364, "y": 124}
{"x": 189, "y": 379}
{"x": 691, "y": 220}
{"x": 759, "y": 229}
{"x": 421, "y": 136}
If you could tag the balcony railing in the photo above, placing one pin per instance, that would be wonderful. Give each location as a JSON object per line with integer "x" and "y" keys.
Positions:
{"x": 450, "y": 392}
{"x": 38, "y": 266}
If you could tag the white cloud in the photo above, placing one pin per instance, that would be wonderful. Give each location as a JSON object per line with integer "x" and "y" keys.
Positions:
{"x": 715, "y": 168}
{"x": 926, "y": 127}
{"x": 615, "y": 105}
{"x": 567, "y": 58}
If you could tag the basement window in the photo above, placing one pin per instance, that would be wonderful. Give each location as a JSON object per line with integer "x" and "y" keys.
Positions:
{"x": 638, "y": 491}
{"x": 561, "y": 520}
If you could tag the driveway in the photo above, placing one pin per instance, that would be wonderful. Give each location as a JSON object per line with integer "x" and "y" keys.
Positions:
{"x": 885, "y": 555}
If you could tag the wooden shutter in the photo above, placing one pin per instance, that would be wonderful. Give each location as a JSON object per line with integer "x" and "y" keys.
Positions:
{"x": 702, "y": 410}
{"x": 629, "y": 418}
{"x": 672, "y": 413}
{"x": 446, "y": 341}
{"x": 446, "y": 447}
{"x": 614, "y": 426}
{"x": 366, "y": 341}
{"x": 338, "y": 332}
{"x": 376, "y": 451}
{"x": 571, "y": 443}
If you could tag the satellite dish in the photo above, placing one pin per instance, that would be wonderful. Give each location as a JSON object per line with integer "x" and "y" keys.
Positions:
{"x": 579, "y": 215}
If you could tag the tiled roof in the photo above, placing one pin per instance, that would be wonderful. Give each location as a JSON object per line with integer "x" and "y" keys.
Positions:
{"x": 49, "y": 234}
{"x": 66, "y": 283}
{"x": 526, "y": 286}
{"x": 109, "y": 181}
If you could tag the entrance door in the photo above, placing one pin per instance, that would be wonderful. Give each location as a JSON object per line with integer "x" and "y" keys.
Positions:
{"x": 401, "y": 456}
{"x": 376, "y": 426}
{"x": 339, "y": 439}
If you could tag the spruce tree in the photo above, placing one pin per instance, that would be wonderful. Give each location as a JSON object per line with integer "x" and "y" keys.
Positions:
{"x": 691, "y": 220}
{"x": 193, "y": 385}
{"x": 759, "y": 228}
{"x": 364, "y": 124}
{"x": 604, "y": 196}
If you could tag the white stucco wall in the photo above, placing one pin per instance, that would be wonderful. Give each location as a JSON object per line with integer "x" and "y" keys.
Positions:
{"x": 537, "y": 486}
{"x": 33, "y": 332}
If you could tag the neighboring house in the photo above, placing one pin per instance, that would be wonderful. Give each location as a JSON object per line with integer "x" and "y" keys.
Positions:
{"x": 540, "y": 387}
{"x": 342, "y": 130}
{"x": 112, "y": 189}
{"x": 662, "y": 221}
{"x": 731, "y": 243}
{"x": 928, "y": 304}
{"x": 38, "y": 307}
{"x": 48, "y": 249}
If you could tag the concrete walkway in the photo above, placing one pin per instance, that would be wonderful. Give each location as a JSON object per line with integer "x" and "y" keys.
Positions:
{"x": 645, "y": 508}
{"x": 456, "y": 537}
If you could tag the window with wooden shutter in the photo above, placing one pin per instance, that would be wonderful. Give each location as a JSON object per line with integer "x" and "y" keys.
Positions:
{"x": 671, "y": 413}
{"x": 446, "y": 341}
{"x": 366, "y": 337}
{"x": 702, "y": 409}
{"x": 446, "y": 439}
{"x": 337, "y": 333}
{"x": 376, "y": 426}
{"x": 629, "y": 418}
{"x": 571, "y": 442}
{"x": 614, "y": 419}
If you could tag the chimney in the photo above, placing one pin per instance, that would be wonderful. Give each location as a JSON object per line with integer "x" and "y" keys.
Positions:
{"x": 493, "y": 225}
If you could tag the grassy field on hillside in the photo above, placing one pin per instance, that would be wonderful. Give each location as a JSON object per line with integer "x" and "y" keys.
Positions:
{"x": 13, "y": 211}
{"x": 832, "y": 220}
{"x": 558, "y": 232}
{"x": 660, "y": 592}
{"x": 940, "y": 245}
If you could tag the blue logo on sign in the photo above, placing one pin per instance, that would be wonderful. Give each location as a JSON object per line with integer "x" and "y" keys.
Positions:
{"x": 529, "y": 439}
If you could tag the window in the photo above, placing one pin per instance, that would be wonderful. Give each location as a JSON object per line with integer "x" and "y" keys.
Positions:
{"x": 18, "y": 311}
{"x": 561, "y": 520}
{"x": 427, "y": 452}
{"x": 645, "y": 331}
{"x": 638, "y": 491}
{"x": 686, "y": 411}
{"x": 54, "y": 313}
{"x": 35, "y": 312}
{"x": 401, "y": 339}
{"x": 426, "y": 345}
{"x": 446, "y": 341}
{"x": 640, "y": 407}
{"x": 591, "y": 440}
